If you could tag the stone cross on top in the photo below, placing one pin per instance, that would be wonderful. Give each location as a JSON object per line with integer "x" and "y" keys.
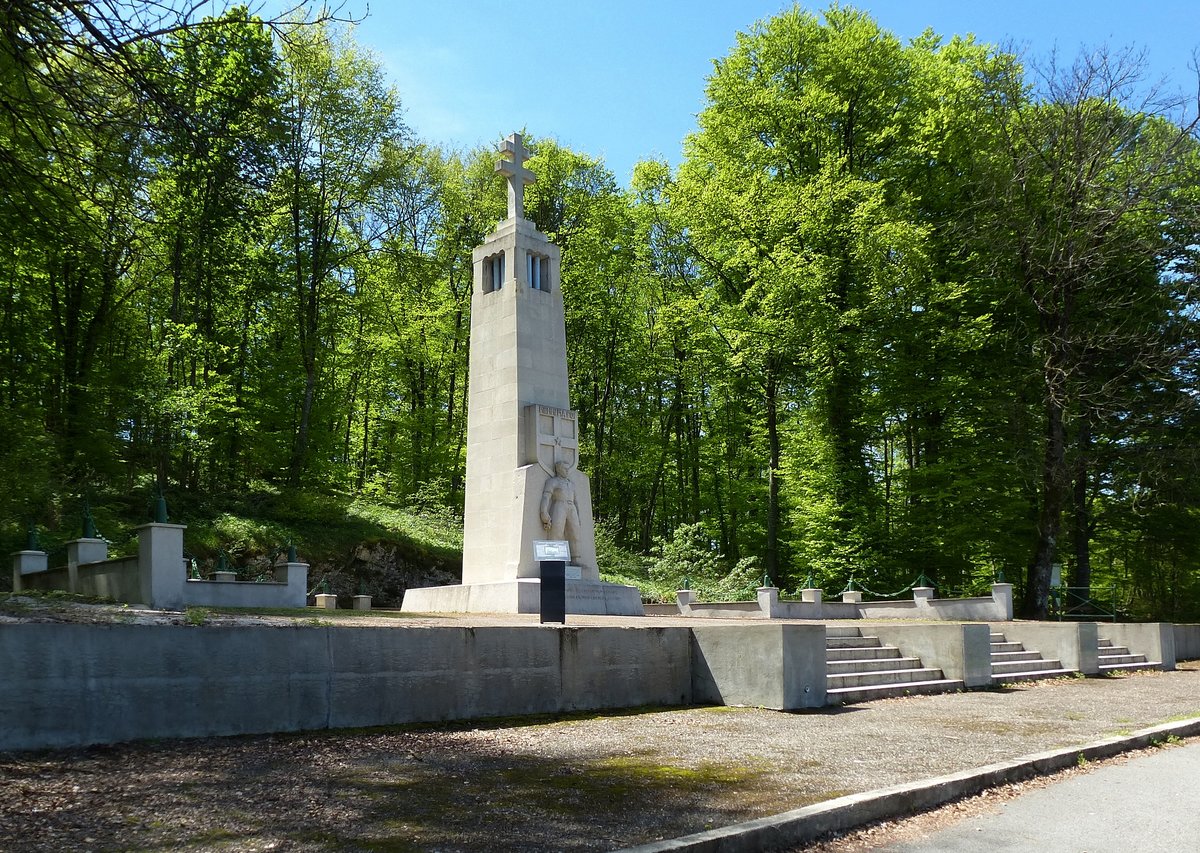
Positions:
{"x": 518, "y": 176}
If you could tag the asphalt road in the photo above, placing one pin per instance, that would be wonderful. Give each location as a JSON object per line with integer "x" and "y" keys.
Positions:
{"x": 1149, "y": 804}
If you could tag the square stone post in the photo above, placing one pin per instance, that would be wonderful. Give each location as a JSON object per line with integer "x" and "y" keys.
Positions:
{"x": 362, "y": 602}
{"x": 295, "y": 575}
{"x": 327, "y": 600}
{"x": 27, "y": 563}
{"x": 922, "y": 595}
{"x": 811, "y": 595}
{"x": 161, "y": 572}
{"x": 685, "y": 598}
{"x": 768, "y": 600}
{"x": 1002, "y": 595}
{"x": 852, "y": 596}
{"x": 81, "y": 551}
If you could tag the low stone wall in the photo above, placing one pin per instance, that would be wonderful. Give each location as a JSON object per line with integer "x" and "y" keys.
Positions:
{"x": 1072, "y": 643}
{"x": 997, "y": 606}
{"x": 156, "y": 577}
{"x": 71, "y": 685}
{"x": 287, "y": 590}
{"x": 777, "y": 666}
{"x": 1155, "y": 640}
{"x": 961, "y": 651}
{"x": 116, "y": 579}
{"x": 68, "y": 685}
{"x": 1187, "y": 641}
{"x": 44, "y": 581}
{"x": 726, "y": 610}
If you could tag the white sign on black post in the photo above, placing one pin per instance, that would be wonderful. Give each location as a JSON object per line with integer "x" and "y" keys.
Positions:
{"x": 551, "y": 556}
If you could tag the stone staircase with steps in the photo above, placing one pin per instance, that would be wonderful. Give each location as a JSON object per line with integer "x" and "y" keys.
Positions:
{"x": 860, "y": 669}
{"x": 1119, "y": 659}
{"x": 1013, "y": 662}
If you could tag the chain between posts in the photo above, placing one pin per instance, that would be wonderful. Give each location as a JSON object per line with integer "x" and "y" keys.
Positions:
{"x": 921, "y": 581}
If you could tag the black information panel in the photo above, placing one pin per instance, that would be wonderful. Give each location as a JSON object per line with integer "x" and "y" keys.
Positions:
{"x": 554, "y": 590}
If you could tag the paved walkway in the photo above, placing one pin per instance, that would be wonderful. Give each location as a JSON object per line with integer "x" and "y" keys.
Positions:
{"x": 1147, "y": 805}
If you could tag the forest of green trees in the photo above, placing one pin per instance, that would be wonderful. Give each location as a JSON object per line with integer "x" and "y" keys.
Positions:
{"x": 901, "y": 309}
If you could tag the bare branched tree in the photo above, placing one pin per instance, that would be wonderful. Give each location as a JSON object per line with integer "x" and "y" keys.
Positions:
{"x": 1092, "y": 211}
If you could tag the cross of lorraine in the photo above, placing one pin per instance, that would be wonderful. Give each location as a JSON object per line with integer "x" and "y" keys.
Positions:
{"x": 518, "y": 176}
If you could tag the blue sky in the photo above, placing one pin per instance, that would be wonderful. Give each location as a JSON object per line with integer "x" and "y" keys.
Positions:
{"x": 623, "y": 79}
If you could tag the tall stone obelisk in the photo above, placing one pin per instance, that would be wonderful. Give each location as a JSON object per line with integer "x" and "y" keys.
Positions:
{"x": 523, "y": 481}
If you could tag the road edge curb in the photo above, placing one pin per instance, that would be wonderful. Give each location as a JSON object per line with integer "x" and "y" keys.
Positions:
{"x": 800, "y": 826}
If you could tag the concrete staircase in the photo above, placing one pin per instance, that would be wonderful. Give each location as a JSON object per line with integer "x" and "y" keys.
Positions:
{"x": 1013, "y": 662}
{"x": 1118, "y": 658}
{"x": 860, "y": 669}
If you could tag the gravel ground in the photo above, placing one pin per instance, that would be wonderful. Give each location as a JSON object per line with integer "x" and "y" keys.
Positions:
{"x": 579, "y": 783}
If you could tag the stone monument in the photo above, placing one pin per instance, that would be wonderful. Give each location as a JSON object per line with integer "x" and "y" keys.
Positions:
{"x": 523, "y": 479}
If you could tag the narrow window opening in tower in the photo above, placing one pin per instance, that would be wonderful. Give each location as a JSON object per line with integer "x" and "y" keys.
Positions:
{"x": 538, "y": 271}
{"x": 493, "y": 272}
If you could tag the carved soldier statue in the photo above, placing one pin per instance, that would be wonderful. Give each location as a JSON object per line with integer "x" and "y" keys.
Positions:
{"x": 559, "y": 514}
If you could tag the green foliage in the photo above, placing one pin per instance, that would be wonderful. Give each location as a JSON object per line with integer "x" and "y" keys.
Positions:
{"x": 688, "y": 560}
{"x": 196, "y": 616}
{"x": 902, "y": 308}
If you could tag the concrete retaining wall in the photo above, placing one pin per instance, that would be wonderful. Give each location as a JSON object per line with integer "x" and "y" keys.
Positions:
{"x": 67, "y": 685}
{"x": 770, "y": 666}
{"x": 1187, "y": 641}
{"x": 1155, "y": 640}
{"x": 1073, "y": 643}
{"x": 70, "y": 685}
{"x": 961, "y": 651}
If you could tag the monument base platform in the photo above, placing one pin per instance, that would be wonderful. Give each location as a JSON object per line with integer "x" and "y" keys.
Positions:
{"x": 524, "y": 596}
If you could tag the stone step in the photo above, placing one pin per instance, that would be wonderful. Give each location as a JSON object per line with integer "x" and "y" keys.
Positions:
{"x": 851, "y": 642}
{"x": 885, "y": 676}
{"x": 854, "y": 695}
{"x": 998, "y": 657}
{"x": 1129, "y": 667}
{"x": 1113, "y": 650}
{"x": 842, "y": 631}
{"x": 1007, "y": 647}
{"x": 867, "y": 653}
{"x": 871, "y": 665}
{"x": 1033, "y": 675}
{"x": 999, "y": 638}
{"x": 1120, "y": 660}
{"x": 1018, "y": 666}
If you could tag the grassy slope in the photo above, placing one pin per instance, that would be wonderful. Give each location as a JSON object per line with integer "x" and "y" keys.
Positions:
{"x": 352, "y": 543}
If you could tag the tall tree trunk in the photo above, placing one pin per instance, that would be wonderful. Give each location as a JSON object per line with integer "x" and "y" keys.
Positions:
{"x": 1055, "y": 480}
{"x": 1081, "y": 529}
{"x": 772, "y": 400}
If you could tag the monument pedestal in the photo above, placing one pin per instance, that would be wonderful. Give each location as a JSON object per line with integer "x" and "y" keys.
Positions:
{"x": 524, "y": 595}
